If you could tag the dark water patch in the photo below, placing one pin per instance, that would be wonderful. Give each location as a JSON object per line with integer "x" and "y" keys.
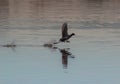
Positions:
{"x": 94, "y": 25}
{"x": 54, "y": 25}
{"x": 4, "y": 2}
{"x": 4, "y": 14}
{"x": 87, "y": 14}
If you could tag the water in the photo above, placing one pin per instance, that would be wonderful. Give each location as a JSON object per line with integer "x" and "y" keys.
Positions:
{"x": 91, "y": 57}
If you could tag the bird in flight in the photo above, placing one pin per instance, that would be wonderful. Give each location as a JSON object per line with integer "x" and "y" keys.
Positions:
{"x": 65, "y": 35}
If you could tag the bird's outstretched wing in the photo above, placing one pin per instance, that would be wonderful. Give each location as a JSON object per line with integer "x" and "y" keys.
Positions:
{"x": 64, "y": 30}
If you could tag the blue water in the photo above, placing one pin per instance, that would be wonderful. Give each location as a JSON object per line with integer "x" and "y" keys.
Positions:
{"x": 91, "y": 57}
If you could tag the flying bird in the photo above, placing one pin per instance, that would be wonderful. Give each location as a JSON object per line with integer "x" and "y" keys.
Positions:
{"x": 65, "y": 35}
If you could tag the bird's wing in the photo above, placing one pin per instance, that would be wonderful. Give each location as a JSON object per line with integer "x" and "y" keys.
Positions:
{"x": 64, "y": 30}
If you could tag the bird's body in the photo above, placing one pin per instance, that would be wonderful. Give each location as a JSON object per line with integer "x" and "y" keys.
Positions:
{"x": 65, "y": 35}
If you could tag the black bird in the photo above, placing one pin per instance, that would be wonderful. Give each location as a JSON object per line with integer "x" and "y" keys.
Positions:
{"x": 65, "y": 35}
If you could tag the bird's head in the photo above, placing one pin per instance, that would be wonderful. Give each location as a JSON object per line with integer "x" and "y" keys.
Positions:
{"x": 73, "y": 34}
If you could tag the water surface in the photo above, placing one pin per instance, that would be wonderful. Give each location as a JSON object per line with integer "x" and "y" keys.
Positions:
{"x": 91, "y": 57}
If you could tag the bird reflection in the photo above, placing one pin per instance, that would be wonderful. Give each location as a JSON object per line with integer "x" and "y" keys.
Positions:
{"x": 65, "y": 54}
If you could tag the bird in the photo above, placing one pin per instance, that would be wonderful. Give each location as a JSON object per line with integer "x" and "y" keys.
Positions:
{"x": 65, "y": 35}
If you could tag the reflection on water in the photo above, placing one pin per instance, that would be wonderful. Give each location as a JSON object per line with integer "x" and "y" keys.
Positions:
{"x": 65, "y": 54}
